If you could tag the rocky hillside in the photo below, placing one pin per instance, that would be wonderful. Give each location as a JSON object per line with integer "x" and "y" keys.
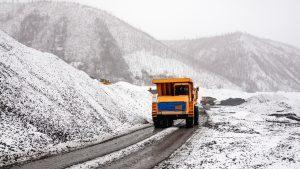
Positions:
{"x": 95, "y": 42}
{"x": 45, "y": 101}
{"x": 247, "y": 61}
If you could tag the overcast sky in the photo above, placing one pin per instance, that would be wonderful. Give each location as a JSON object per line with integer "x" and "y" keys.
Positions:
{"x": 177, "y": 19}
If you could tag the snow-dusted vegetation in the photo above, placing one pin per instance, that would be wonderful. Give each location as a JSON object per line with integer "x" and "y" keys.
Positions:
{"x": 253, "y": 63}
{"x": 45, "y": 102}
{"x": 261, "y": 133}
{"x": 144, "y": 65}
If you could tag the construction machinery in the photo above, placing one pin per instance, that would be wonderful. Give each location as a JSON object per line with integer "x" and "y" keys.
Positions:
{"x": 176, "y": 98}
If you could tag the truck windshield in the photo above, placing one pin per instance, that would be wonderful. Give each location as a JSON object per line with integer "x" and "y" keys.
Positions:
{"x": 181, "y": 90}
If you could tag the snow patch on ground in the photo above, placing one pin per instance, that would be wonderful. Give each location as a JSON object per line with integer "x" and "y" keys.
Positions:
{"x": 245, "y": 136}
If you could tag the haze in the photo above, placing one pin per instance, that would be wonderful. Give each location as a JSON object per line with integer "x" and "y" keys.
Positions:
{"x": 185, "y": 19}
{"x": 181, "y": 19}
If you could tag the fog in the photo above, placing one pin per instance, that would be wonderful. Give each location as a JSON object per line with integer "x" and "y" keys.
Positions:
{"x": 184, "y": 19}
{"x": 177, "y": 19}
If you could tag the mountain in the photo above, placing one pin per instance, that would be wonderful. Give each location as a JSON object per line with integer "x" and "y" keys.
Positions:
{"x": 253, "y": 63}
{"x": 98, "y": 43}
{"x": 45, "y": 101}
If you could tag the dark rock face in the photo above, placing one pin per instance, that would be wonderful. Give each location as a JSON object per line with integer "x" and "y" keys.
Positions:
{"x": 111, "y": 62}
{"x": 31, "y": 26}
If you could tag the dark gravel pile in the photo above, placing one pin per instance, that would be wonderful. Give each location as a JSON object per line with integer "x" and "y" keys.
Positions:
{"x": 232, "y": 102}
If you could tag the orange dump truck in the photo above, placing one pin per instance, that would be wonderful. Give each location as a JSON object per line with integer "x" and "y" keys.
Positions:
{"x": 176, "y": 98}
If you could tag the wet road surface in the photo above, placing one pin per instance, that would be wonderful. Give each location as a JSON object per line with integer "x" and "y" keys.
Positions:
{"x": 157, "y": 152}
{"x": 91, "y": 152}
{"x": 153, "y": 154}
{"x": 145, "y": 158}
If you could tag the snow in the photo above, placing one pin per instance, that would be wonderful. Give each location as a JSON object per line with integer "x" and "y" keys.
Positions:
{"x": 87, "y": 37}
{"x": 253, "y": 63}
{"x": 245, "y": 136}
{"x": 126, "y": 151}
{"x": 142, "y": 63}
{"x": 48, "y": 106}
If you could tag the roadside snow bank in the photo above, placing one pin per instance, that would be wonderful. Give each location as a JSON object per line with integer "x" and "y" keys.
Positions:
{"x": 45, "y": 102}
{"x": 257, "y": 134}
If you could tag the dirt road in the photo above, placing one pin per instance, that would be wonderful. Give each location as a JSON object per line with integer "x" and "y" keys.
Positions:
{"x": 145, "y": 158}
{"x": 157, "y": 152}
{"x": 88, "y": 153}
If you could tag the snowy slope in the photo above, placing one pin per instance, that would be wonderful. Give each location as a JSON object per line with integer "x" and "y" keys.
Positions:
{"x": 257, "y": 134}
{"x": 146, "y": 66}
{"x": 91, "y": 40}
{"x": 250, "y": 62}
{"x": 44, "y": 101}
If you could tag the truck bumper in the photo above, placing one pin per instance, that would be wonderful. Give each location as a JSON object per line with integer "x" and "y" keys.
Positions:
{"x": 171, "y": 113}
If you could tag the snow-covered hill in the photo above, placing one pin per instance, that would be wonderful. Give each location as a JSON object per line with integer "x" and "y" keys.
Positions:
{"x": 45, "y": 101}
{"x": 250, "y": 62}
{"x": 145, "y": 66}
{"x": 92, "y": 40}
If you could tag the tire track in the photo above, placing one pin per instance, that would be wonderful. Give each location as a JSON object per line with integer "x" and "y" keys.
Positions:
{"x": 157, "y": 152}
{"x": 145, "y": 158}
{"x": 90, "y": 152}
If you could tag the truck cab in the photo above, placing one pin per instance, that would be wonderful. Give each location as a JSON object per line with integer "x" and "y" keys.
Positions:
{"x": 176, "y": 98}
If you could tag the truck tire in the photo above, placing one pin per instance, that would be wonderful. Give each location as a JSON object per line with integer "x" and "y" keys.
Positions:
{"x": 161, "y": 122}
{"x": 156, "y": 122}
{"x": 196, "y": 115}
{"x": 189, "y": 122}
{"x": 170, "y": 122}
{"x": 165, "y": 122}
